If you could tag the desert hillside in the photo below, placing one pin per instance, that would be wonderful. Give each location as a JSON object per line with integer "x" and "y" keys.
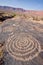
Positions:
{"x": 9, "y": 12}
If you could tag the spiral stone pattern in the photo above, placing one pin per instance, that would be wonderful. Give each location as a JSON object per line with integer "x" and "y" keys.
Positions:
{"x": 23, "y": 47}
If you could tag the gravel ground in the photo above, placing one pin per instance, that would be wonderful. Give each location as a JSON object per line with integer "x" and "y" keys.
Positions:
{"x": 10, "y": 27}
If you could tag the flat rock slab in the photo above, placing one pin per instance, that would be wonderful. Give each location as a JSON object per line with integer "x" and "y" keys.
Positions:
{"x": 23, "y": 42}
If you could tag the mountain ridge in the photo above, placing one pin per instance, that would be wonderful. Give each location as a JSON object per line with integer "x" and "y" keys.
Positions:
{"x": 33, "y": 12}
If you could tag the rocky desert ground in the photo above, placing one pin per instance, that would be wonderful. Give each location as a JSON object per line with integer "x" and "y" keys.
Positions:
{"x": 21, "y": 39}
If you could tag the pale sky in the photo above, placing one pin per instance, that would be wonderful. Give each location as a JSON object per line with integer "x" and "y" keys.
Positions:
{"x": 25, "y": 4}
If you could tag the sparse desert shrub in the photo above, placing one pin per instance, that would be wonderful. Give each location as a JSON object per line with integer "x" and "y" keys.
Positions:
{"x": 36, "y": 18}
{"x": 14, "y": 14}
{"x": 24, "y": 15}
{"x": 41, "y": 18}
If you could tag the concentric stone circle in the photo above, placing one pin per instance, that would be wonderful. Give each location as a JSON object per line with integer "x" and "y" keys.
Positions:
{"x": 23, "y": 47}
